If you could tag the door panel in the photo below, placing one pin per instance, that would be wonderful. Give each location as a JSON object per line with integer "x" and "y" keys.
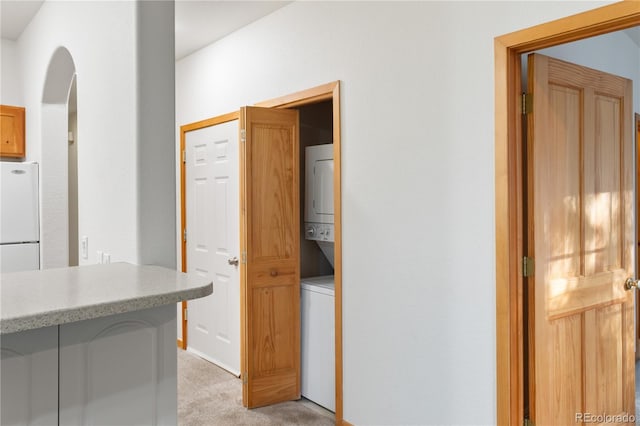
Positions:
{"x": 213, "y": 237}
{"x": 271, "y": 240}
{"x": 581, "y": 236}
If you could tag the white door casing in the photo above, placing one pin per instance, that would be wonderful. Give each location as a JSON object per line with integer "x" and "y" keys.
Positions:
{"x": 212, "y": 204}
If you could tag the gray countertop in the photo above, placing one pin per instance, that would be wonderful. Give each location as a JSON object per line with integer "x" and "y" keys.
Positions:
{"x": 37, "y": 299}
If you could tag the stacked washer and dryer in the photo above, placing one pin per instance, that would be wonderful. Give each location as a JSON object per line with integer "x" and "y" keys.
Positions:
{"x": 317, "y": 304}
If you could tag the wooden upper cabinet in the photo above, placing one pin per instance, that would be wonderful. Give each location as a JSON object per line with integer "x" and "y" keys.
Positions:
{"x": 12, "y": 140}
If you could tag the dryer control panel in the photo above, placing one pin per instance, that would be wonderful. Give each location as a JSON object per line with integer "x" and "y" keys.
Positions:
{"x": 318, "y": 231}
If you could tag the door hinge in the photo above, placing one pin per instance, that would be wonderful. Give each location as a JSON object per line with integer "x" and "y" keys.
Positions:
{"x": 184, "y": 313}
{"x": 184, "y": 156}
{"x": 243, "y": 135}
{"x": 528, "y": 422}
{"x": 527, "y": 103}
{"x": 245, "y": 378}
{"x": 527, "y": 266}
{"x": 244, "y": 257}
{"x": 184, "y": 235}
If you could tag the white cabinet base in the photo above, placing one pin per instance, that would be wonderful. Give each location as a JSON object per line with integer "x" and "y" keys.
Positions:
{"x": 115, "y": 370}
{"x": 120, "y": 370}
{"x": 29, "y": 377}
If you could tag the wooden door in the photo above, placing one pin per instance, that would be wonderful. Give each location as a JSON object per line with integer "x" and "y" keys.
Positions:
{"x": 581, "y": 235}
{"x": 270, "y": 245}
{"x": 212, "y": 242}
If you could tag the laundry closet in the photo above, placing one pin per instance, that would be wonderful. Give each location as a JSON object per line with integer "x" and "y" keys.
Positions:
{"x": 272, "y": 318}
{"x": 317, "y": 295}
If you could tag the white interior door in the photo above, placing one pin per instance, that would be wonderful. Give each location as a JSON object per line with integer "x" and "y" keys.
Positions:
{"x": 213, "y": 322}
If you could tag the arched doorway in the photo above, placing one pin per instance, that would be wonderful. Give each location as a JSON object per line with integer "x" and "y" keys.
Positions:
{"x": 54, "y": 170}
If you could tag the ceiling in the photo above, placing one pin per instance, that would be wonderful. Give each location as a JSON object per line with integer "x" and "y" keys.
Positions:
{"x": 15, "y": 15}
{"x": 200, "y": 23}
{"x": 197, "y": 22}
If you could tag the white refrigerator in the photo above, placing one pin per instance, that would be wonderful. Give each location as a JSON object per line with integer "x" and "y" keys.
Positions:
{"x": 19, "y": 224}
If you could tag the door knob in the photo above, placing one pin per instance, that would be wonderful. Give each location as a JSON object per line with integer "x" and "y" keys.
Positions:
{"x": 630, "y": 283}
{"x": 233, "y": 261}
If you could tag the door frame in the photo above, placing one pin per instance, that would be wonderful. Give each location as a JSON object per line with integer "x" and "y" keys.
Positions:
{"x": 326, "y": 92}
{"x": 508, "y": 183}
{"x": 329, "y": 91}
{"x": 636, "y": 122}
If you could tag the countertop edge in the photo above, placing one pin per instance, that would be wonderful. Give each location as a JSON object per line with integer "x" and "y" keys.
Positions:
{"x": 74, "y": 314}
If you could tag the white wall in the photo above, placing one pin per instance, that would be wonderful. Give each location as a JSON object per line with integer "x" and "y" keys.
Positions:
{"x": 11, "y": 78}
{"x": 111, "y": 46}
{"x": 155, "y": 147}
{"x": 101, "y": 43}
{"x": 418, "y": 183}
{"x": 54, "y": 205}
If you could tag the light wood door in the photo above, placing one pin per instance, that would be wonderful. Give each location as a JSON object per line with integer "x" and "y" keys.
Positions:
{"x": 270, "y": 273}
{"x": 213, "y": 236}
{"x": 581, "y": 235}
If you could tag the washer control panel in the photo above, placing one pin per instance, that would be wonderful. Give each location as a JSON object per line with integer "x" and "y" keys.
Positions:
{"x": 318, "y": 231}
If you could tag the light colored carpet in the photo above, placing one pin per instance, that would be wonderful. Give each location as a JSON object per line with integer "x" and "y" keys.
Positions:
{"x": 208, "y": 395}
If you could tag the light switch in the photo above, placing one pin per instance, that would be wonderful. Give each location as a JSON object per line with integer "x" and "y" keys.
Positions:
{"x": 84, "y": 247}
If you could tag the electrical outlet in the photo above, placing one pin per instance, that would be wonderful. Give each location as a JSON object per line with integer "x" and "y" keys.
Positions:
{"x": 84, "y": 247}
